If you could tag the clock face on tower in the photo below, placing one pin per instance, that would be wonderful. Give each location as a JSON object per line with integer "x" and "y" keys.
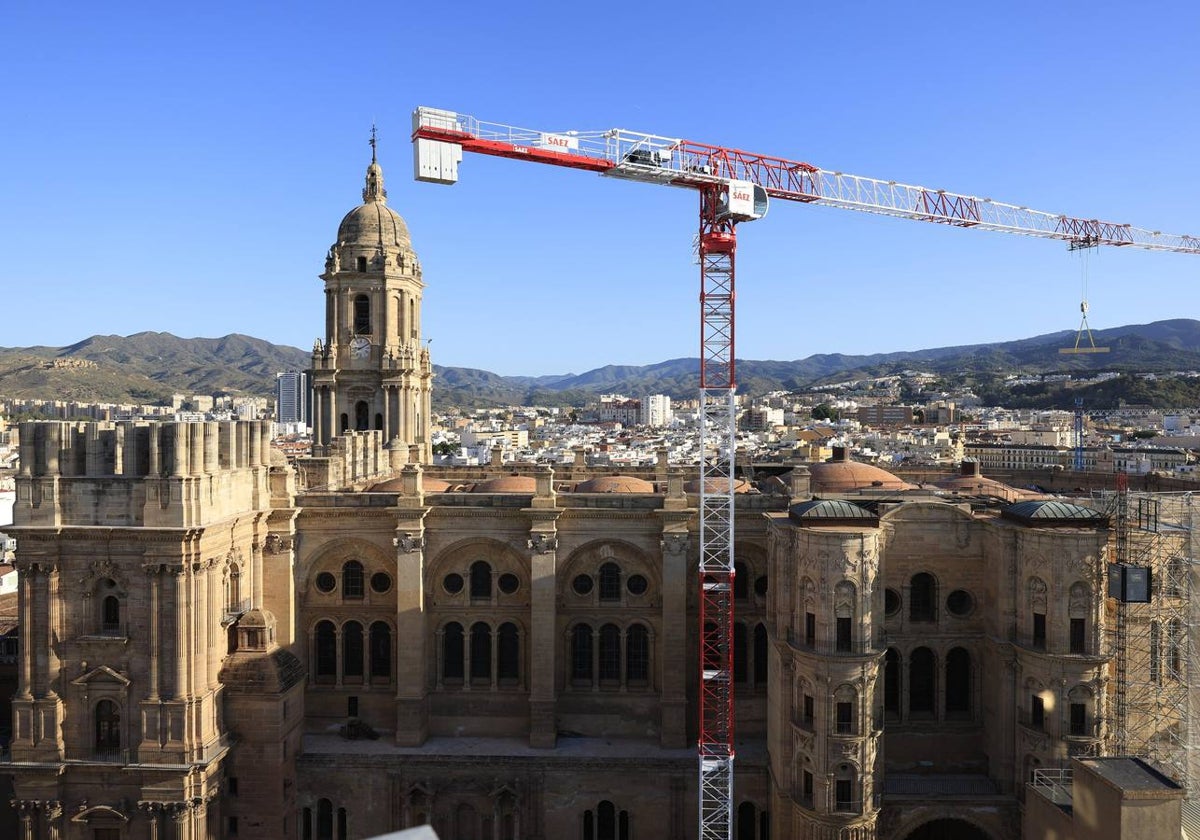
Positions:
{"x": 360, "y": 348}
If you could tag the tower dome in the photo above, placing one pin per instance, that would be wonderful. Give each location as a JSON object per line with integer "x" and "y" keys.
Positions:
{"x": 373, "y": 224}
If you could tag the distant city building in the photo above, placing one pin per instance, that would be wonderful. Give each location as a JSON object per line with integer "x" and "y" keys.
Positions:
{"x": 656, "y": 410}
{"x": 885, "y": 415}
{"x": 291, "y": 397}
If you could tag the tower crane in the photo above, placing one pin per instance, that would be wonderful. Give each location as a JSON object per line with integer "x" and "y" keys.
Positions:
{"x": 736, "y": 186}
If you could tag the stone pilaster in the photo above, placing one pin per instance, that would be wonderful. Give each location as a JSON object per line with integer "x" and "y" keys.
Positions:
{"x": 675, "y": 663}
{"x": 412, "y": 695}
{"x": 543, "y": 565}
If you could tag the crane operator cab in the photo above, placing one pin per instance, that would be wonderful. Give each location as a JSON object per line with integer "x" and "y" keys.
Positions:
{"x": 743, "y": 201}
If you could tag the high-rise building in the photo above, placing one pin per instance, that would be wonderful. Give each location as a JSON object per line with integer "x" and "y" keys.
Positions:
{"x": 656, "y": 410}
{"x": 291, "y": 397}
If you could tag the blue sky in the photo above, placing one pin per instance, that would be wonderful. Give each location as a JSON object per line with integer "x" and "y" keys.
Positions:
{"x": 184, "y": 167}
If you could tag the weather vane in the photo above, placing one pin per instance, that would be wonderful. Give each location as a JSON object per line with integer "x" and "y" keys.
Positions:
{"x": 372, "y": 141}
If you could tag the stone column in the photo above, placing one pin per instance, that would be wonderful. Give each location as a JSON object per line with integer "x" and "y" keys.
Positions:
{"x": 52, "y": 813}
{"x": 41, "y": 637}
{"x": 152, "y": 573}
{"x": 543, "y": 639}
{"x": 28, "y": 827}
{"x": 151, "y": 811}
{"x": 411, "y": 671}
{"x": 181, "y": 631}
{"x": 54, "y": 629}
{"x": 387, "y": 413}
{"x": 25, "y": 600}
{"x": 181, "y": 819}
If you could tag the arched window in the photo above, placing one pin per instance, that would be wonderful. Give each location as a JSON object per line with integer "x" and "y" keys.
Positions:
{"x": 378, "y": 422}
{"x": 344, "y": 422}
{"x": 739, "y": 652}
{"x": 235, "y": 586}
{"x": 845, "y": 710}
{"x": 958, "y": 683}
{"x": 481, "y": 651}
{"x": 637, "y": 655}
{"x": 922, "y": 598}
{"x": 362, "y": 315}
{"x": 110, "y": 619}
{"x": 381, "y": 651}
{"x": 509, "y": 653}
{"x": 1079, "y": 711}
{"x": 581, "y": 653}
{"x": 921, "y": 682}
{"x": 610, "y": 582}
{"x": 845, "y": 782}
{"x": 844, "y": 597}
{"x": 324, "y": 819}
{"x": 610, "y": 653}
{"x": 341, "y": 824}
{"x": 1037, "y": 612}
{"x": 891, "y": 684}
{"x": 352, "y": 651}
{"x": 606, "y": 821}
{"x": 108, "y": 729}
{"x": 362, "y": 416}
{"x": 760, "y": 654}
{"x": 326, "y": 649}
{"x": 452, "y": 652}
{"x": 741, "y": 582}
{"x": 481, "y": 580}
{"x": 352, "y": 580}
{"x": 747, "y": 820}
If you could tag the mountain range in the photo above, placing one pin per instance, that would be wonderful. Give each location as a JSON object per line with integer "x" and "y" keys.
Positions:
{"x": 150, "y": 366}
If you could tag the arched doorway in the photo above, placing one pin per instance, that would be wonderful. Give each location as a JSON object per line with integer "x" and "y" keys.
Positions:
{"x": 948, "y": 829}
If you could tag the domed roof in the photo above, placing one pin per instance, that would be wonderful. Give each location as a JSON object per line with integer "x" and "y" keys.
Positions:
{"x": 1051, "y": 513}
{"x": 373, "y": 223}
{"x": 396, "y": 485}
{"x": 841, "y": 474}
{"x": 827, "y": 510}
{"x": 614, "y": 484}
{"x": 507, "y": 484}
{"x": 259, "y": 673}
{"x": 716, "y": 485}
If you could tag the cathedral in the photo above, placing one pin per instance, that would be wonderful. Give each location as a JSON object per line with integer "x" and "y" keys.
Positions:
{"x": 217, "y": 643}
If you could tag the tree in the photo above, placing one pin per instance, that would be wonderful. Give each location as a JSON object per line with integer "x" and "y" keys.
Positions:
{"x": 825, "y": 411}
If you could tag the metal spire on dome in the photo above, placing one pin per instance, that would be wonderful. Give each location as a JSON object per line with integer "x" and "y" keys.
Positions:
{"x": 374, "y": 191}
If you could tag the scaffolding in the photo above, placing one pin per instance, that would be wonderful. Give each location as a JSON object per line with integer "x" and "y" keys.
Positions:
{"x": 1155, "y": 639}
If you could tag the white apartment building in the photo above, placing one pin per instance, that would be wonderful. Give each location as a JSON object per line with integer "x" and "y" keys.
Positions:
{"x": 656, "y": 410}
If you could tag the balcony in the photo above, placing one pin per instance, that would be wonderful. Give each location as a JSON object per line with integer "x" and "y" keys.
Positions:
{"x": 837, "y": 647}
{"x": 1102, "y": 650}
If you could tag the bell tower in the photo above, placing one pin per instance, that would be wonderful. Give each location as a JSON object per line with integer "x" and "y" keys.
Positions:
{"x": 372, "y": 370}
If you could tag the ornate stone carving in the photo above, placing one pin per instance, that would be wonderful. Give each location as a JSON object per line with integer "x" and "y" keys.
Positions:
{"x": 675, "y": 545}
{"x": 408, "y": 543}
{"x": 275, "y": 544}
{"x": 1037, "y": 594}
{"x": 542, "y": 543}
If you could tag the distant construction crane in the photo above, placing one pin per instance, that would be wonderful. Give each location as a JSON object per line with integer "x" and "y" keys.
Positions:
{"x": 735, "y": 186}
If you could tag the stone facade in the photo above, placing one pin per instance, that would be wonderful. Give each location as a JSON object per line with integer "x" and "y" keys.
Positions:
{"x": 217, "y": 643}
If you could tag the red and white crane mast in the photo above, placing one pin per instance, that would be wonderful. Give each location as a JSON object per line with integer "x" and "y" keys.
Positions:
{"x": 734, "y": 186}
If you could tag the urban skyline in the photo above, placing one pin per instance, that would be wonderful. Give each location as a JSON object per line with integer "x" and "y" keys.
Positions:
{"x": 253, "y": 148}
